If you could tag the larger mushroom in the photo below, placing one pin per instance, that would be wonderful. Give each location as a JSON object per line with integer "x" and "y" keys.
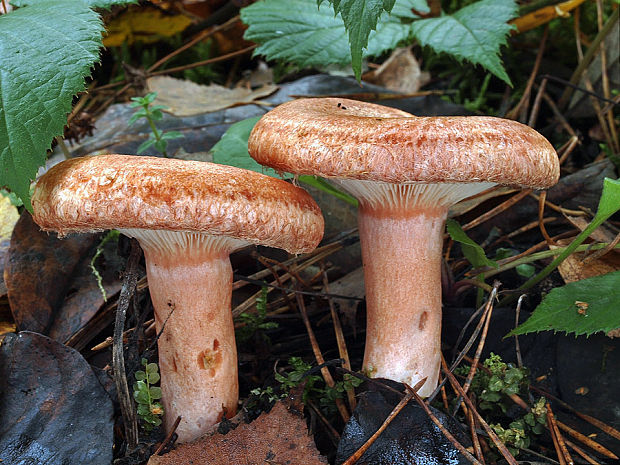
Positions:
{"x": 188, "y": 217}
{"x": 406, "y": 172}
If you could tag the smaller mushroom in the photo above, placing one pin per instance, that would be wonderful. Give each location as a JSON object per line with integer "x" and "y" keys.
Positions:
{"x": 406, "y": 172}
{"x": 188, "y": 217}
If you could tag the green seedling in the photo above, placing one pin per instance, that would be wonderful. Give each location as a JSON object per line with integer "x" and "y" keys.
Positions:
{"x": 315, "y": 389}
{"x": 254, "y": 323}
{"x": 493, "y": 388}
{"x": 158, "y": 139}
{"x": 147, "y": 395}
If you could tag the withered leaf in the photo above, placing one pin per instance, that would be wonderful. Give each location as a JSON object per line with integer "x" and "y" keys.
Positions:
{"x": 279, "y": 436}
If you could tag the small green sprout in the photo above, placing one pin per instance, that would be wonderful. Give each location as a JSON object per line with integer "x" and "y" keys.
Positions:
{"x": 147, "y": 395}
{"x": 255, "y": 322}
{"x": 152, "y": 113}
{"x": 315, "y": 388}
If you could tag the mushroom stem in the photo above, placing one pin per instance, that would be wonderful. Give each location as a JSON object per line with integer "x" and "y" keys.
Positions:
{"x": 190, "y": 281}
{"x": 401, "y": 251}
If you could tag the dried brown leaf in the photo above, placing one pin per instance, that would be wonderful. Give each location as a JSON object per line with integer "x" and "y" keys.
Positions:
{"x": 186, "y": 98}
{"x": 279, "y": 436}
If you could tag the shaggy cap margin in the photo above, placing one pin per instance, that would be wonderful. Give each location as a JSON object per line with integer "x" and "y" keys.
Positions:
{"x": 131, "y": 192}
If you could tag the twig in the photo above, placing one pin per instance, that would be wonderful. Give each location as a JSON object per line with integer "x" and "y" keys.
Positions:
{"x": 541, "y": 214}
{"x": 404, "y": 401}
{"x": 497, "y": 210}
{"x": 517, "y": 347}
{"x": 168, "y": 437}
{"x": 128, "y": 411}
{"x": 199, "y": 37}
{"x": 334, "y": 435}
{"x": 558, "y": 441}
{"x": 443, "y": 429}
{"x": 591, "y": 443}
{"x": 224, "y": 57}
{"x": 587, "y": 58}
{"x": 567, "y": 148}
{"x": 471, "y": 419}
{"x": 525, "y": 98}
{"x": 581, "y": 452}
{"x": 593, "y": 421}
{"x": 487, "y": 320}
{"x": 342, "y": 409}
{"x": 536, "y": 107}
{"x": 496, "y": 440}
{"x": 342, "y": 344}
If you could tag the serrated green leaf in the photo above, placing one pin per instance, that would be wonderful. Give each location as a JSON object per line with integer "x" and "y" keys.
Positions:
{"x": 46, "y": 49}
{"x": 474, "y": 33}
{"x": 154, "y": 378}
{"x": 298, "y": 32}
{"x": 472, "y": 251}
{"x": 140, "y": 375}
{"x": 558, "y": 310}
{"x": 359, "y": 19}
{"x": 232, "y": 148}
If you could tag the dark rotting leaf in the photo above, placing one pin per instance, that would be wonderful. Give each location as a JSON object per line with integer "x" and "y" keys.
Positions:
{"x": 53, "y": 408}
{"x": 410, "y": 439}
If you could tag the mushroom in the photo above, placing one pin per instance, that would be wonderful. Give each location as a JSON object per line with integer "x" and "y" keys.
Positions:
{"x": 188, "y": 217}
{"x": 406, "y": 172}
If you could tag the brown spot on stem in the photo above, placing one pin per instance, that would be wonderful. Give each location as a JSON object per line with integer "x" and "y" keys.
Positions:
{"x": 174, "y": 365}
{"x": 423, "y": 319}
{"x": 210, "y": 359}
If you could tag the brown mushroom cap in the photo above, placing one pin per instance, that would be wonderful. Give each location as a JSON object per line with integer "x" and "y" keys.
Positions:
{"x": 130, "y": 192}
{"x": 347, "y": 139}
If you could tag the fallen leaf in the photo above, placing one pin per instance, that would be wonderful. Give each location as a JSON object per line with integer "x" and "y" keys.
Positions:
{"x": 410, "y": 439}
{"x": 574, "y": 269}
{"x": 144, "y": 24}
{"x": 54, "y": 410}
{"x": 8, "y": 217}
{"x": 400, "y": 72}
{"x": 277, "y": 437}
{"x": 50, "y": 285}
{"x": 544, "y": 15}
{"x": 186, "y": 98}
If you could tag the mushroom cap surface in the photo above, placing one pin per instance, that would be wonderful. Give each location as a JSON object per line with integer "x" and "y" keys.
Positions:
{"x": 341, "y": 138}
{"x": 124, "y": 191}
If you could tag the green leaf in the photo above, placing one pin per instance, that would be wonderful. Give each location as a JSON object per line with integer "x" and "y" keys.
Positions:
{"x": 526, "y": 270}
{"x": 140, "y": 375}
{"x": 474, "y": 33}
{"x": 558, "y": 311}
{"x": 154, "y": 377}
{"x": 359, "y": 19}
{"x": 232, "y": 148}
{"x": 151, "y": 368}
{"x": 298, "y": 32}
{"x": 46, "y": 50}
{"x": 145, "y": 145}
{"x": 172, "y": 135}
{"x": 472, "y": 251}
{"x": 323, "y": 185}
{"x": 155, "y": 393}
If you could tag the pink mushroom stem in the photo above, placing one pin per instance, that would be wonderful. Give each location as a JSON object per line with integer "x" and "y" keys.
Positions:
{"x": 401, "y": 252}
{"x": 191, "y": 294}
